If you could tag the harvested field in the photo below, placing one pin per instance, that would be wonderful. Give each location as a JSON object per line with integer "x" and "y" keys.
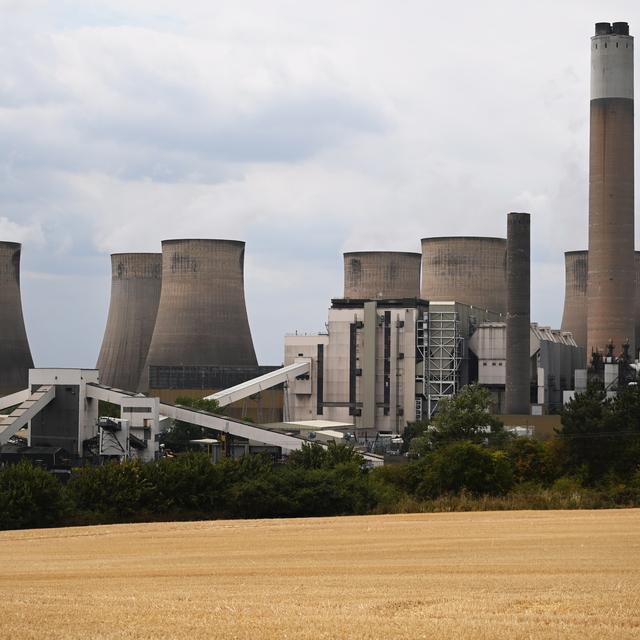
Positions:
{"x": 550, "y": 574}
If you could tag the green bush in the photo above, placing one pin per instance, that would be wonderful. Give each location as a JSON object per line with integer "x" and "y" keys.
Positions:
{"x": 315, "y": 456}
{"x": 29, "y": 497}
{"x": 529, "y": 460}
{"x": 464, "y": 466}
{"x": 113, "y": 492}
{"x": 189, "y": 483}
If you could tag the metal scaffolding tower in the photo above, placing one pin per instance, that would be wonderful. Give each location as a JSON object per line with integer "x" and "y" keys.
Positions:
{"x": 440, "y": 347}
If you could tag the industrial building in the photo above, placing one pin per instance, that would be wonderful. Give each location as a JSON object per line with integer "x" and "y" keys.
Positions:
{"x": 382, "y": 363}
{"x": 553, "y": 358}
{"x": 15, "y": 355}
{"x": 385, "y": 362}
{"x": 59, "y": 411}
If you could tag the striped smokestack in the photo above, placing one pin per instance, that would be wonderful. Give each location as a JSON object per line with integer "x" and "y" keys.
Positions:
{"x": 135, "y": 293}
{"x": 611, "y": 274}
{"x": 374, "y": 275}
{"x": 15, "y": 355}
{"x": 518, "y": 364}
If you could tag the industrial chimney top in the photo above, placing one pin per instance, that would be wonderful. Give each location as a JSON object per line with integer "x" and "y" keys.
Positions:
{"x": 617, "y": 28}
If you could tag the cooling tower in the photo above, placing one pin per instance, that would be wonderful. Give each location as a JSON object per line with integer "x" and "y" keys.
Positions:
{"x": 202, "y": 316}
{"x": 518, "y": 364}
{"x": 135, "y": 293}
{"x": 574, "y": 316}
{"x": 15, "y": 355}
{"x": 611, "y": 278}
{"x": 371, "y": 275}
{"x": 465, "y": 269}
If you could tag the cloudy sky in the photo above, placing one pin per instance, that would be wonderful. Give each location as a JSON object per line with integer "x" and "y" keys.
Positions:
{"x": 305, "y": 129}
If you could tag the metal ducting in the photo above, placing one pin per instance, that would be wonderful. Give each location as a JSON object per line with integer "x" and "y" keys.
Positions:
{"x": 374, "y": 275}
{"x": 611, "y": 280}
{"x": 518, "y": 363}
{"x": 202, "y": 315}
{"x": 470, "y": 270}
{"x": 15, "y": 354}
{"x": 136, "y": 279}
{"x": 574, "y": 316}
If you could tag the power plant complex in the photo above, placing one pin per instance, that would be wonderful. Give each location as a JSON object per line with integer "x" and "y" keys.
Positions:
{"x": 408, "y": 330}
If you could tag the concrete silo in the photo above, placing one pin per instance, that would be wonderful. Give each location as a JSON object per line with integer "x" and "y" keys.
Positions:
{"x": 470, "y": 270}
{"x": 574, "y": 316}
{"x": 202, "y": 316}
{"x": 136, "y": 279}
{"x": 611, "y": 280}
{"x": 373, "y": 275}
{"x": 518, "y": 362}
{"x": 15, "y": 355}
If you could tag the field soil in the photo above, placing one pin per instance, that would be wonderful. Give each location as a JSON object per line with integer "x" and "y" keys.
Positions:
{"x": 498, "y": 575}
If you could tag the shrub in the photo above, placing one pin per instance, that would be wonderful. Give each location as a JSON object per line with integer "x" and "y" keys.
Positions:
{"x": 112, "y": 492}
{"x": 528, "y": 460}
{"x": 29, "y": 497}
{"x": 188, "y": 483}
{"x": 465, "y": 466}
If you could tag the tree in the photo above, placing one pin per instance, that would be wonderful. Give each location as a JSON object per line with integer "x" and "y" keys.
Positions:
{"x": 29, "y": 497}
{"x": 529, "y": 460}
{"x": 464, "y": 416}
{"x": 315, "y": 456}
{"x": 602, "y": 435}
{"x": 466, "y": 466}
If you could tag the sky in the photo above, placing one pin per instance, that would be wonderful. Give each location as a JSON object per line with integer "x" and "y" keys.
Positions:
{"x": 305, "y": 129}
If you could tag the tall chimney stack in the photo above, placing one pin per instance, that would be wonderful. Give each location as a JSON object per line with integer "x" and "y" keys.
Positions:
{"x": 611, "y": 271}
{"x": 518, "y": 365}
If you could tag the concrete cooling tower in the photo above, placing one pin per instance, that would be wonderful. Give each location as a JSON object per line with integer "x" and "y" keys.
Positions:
{"x": 136, "y": 279}
{"x": 371, "y": 275}
{"x": 470, "y": 270}
{"x": 574, "y": 316}
{"x": 611, "y": 278}
{"x": 202, "y": 316}
{"x": 15, "y": 355}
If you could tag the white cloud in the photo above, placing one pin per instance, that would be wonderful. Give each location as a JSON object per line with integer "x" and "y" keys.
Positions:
{"x": 304, "y": 129}
{"x": 14, "y": 232}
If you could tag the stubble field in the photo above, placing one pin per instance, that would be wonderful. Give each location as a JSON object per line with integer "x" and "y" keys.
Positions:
{"x": 553, "y": 574}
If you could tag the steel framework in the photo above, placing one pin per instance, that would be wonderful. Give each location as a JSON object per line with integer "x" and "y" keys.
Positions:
{"x": 440, "y": 347}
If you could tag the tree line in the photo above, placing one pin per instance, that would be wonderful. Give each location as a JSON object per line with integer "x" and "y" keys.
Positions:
{"x": 462, "y": 459}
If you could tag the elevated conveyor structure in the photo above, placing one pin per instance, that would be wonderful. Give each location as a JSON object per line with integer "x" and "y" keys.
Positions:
{"x": 267, "y": 381}
{"x": 223, "y": 424}
{"x": 14, "y": 399}
{"x": 28, "y": 409}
